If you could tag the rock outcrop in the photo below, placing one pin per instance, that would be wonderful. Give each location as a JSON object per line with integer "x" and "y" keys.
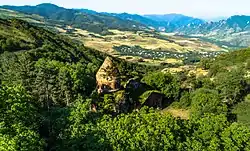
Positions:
{"x": 108, "y": 77}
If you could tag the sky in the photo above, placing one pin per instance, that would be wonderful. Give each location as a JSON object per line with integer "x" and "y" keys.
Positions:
{"x": 195, "y": 8}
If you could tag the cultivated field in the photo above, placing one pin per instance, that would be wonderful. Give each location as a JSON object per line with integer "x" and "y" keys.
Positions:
{"x": 146, "y": 40}
{"x": 153, "y": 41}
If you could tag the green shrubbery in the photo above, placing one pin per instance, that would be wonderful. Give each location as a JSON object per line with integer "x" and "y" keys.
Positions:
{"x": 165, "y": 83}
{"x": 150, "y": 130}
{"x": 48, "y": 101}
{"x": 207, "y": 101}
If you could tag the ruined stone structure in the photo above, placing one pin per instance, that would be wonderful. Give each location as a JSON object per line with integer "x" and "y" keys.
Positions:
{"x": 108, "y": 77}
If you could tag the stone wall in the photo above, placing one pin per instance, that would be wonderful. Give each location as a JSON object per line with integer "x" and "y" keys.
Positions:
{"x": 108, "y": 77}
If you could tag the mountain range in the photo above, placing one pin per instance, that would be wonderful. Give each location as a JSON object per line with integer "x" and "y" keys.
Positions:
{"x": 172, "y": 22}
{"x": 225, "y": 32}
{"x": 79, "y": 17}
{"x": 75, "y": 18}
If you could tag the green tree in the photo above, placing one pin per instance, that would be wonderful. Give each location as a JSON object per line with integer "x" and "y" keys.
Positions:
{"x": 45, "y": 83}
{"x": 231, "y": 86}
{"x": 164, "y": 82}
{"x": 236, "y": 137}
{"x": 19, "y": 121}
{"x": 184, "y": 103}
{"x": 20, "y": 138}
{"x": 82, "y": 132}
{"x": 206, "y": 133}
{"x": 206, "y": 101}
{"x": 205, "y": 63}
{"x": 146, "y": 130}
{"x": 66, "y": 84}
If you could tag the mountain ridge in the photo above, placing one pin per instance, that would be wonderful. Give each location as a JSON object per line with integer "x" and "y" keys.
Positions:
{"x": 92, "y": 22}
{"x": 223, "y": 31}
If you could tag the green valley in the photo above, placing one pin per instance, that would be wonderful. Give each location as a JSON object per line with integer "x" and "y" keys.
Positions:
{"x": 146, "y": 39}
{"x": 76, "y": 79}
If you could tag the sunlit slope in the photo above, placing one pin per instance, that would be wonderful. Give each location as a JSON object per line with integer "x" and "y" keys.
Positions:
{"x": 147, "y": 40}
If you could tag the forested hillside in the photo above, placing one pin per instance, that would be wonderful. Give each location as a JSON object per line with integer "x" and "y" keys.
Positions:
{"x": 40, "y": 72}
{"x": 98, "y": 23}
{"x": 49, "y": 99}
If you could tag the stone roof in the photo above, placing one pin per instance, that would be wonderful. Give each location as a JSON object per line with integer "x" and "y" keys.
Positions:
{"x": 107, "y": 76}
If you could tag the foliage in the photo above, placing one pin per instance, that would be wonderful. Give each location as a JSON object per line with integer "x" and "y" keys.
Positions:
{"x": 242, "y": 111}
{"x": 207, "y": 101}
{"x": 18, "y": 124}
{"x": 234, "y": 58}
{"x": 82, "y": 133}
{"x": 231, "y": 86}
{"x": 48, "y": 100}
{"x": 206, "y": 134}
{"x": 20, "y": 138}
{"x": 184, "y": 103}
{"x": 164, "y": 82}
{"x": 146, "y": 130}
{"x": 113, "y": 102}
{"x": 205, "y": 63}
{"x": 54, "y": 74}
{"x": 236, "y": 137}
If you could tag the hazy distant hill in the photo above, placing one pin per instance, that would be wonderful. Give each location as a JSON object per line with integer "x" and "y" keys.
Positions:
{"x": 177, "y": 20}
{"x": 214, "y": 19}
{"x": 231, "y": 25}
{"x": 234, "y": 30}
{"x": 98, "y": 22}
{"x": 168, "y": 22}
{"x": 87, "y": 11}
{"x": 143, "y": 20}
{"x": 76, "y": 18}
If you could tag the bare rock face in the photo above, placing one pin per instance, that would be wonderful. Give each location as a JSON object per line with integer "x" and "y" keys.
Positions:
{"x": 108, "y": 77}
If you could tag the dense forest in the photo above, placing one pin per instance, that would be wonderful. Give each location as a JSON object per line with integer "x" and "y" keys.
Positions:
{"x": 48, "y": 87}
